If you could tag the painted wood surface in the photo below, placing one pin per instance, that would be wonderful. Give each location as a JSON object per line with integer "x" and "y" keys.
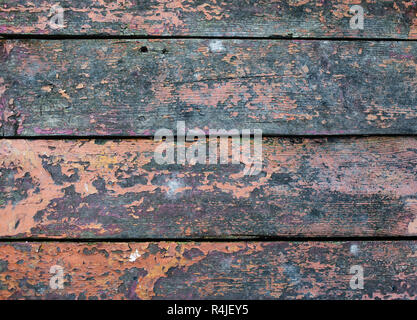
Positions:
{"x": 132, "y": 88}
{"x": 113, "y": 189}
{"x": 234, "y": 270}
{"x": 307, "y": 187}
{"x": 249, "y": 18}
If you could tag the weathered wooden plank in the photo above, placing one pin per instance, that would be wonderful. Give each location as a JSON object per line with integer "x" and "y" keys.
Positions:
{"x": 133, "y": 88}
{"x": 236, "y": 270}
{"x": 260, "y": 18}
{"x": 307, "y": 187}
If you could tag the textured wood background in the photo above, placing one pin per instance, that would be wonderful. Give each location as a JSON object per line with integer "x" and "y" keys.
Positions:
{"x": 112, "y": 87}
{"x": 206, "y": 270}
{"x": 308, "y": 187}
{"x": 79, "y": 105}
{"x": 232, "y": 18}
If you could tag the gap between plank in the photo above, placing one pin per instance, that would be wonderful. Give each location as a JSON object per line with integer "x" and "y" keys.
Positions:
{"x": 5, "y": 36}
{"x": 240, "y": 239}
{"x": 150, "y": 137}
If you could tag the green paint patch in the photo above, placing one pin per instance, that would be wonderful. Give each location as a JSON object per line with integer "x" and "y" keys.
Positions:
{"x": 100, "y": 141}
{"x": 88, "y": 235}
{"x": 3, "y": 265}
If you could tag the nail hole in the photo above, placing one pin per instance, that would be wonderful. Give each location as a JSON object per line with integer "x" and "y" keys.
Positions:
{"x": 143, "y": 49}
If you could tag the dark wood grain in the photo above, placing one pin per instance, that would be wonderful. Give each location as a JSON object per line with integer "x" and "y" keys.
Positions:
{"x": 182, "y": 271}
{"x": 122, "y": 87}
{"x": 249, "y": 18}
{"x": 307, "y": 187}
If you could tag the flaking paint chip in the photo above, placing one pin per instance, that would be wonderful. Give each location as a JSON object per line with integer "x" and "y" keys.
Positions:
{"x": 216, "y": 46}
{"x": 305, "y": 69}
{"x": 134, "y": 256}
{"x": 47, "y": 88}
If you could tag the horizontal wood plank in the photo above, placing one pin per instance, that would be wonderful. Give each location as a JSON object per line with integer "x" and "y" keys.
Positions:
{"x": 132, "y": 88}
{"x": 307, "y": 187}
{"x": 261, "y": 18}
{"x": 182, "y": 271}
